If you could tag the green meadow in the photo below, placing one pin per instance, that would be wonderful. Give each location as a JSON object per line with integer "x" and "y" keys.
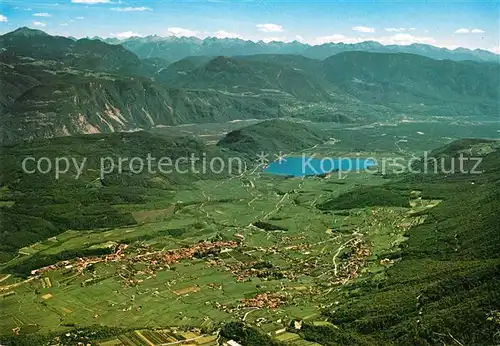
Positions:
{"x": 306, "y": 247}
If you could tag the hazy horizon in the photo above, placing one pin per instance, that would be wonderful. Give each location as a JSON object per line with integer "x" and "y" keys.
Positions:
{"x": 445, "y": 24}
{"x": 249, "y": 40}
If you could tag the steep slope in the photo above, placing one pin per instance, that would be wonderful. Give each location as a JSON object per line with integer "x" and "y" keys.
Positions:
{"x": 402, "y": 80}
{"x": 260, "y": 75}
{"x": 32, "y": 57}
{"x": 352, "y": 83}
{"x": 54, "y": 86}
{"x": 45, "y": 205}
{"x": 444, "y": 289}
{"x": 120, "y": 104}
{"x": 82, "y": 54}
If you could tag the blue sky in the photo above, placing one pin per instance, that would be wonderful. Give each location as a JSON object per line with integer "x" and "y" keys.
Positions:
{"x": 470, "y": 24}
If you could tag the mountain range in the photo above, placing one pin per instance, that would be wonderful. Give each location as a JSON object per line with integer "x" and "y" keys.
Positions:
{"x": 176, "y": 48}
{"x": 57, "y": 86}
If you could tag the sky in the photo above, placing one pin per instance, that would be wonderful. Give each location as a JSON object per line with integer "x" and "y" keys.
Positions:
{"x": 443, "y": 23}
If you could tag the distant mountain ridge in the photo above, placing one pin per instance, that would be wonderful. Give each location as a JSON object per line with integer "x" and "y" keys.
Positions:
{"x": 84, "y": 53}
{"x": 176, "y": 48}
{"x": 350, "y": 85}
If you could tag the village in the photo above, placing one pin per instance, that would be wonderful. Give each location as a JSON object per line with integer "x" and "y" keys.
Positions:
{"x": 266, "y": 274}
{"x": 135, "y": 264}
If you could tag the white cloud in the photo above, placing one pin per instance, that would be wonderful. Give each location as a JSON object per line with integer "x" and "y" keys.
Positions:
{"x": 64, "y": 24}
{"x": 469, "y": 31}
{"x": 125, "y": 34}
{"x": 399, "y": 39}
{"x": 225, "y": 34}
{"x": 275, "y": 38}
{"x": 42, "y": 14}
{"x": 91, "y": 2}
{"x": 41, "y": 24}
{"x": 80, "y": 18}
{"x": 363, "y": 29}
{"x": 131, "y": 9}
{"x": 299, "y": 38}
{"x": 495, "y": 49}
{"x": 270, "y": 27}
{"x": 395, "y": 29}
{"x": 335, "y": 38}
{"x": 399, "y": 29}
{"x": 181, "y": 32}
{"x": 175, "y": 31}
{"x": 405, "y": 39}
{"x": 3, "y": 19}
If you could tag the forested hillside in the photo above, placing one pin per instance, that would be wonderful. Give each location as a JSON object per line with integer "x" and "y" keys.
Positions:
{"x": 55, "y": 86}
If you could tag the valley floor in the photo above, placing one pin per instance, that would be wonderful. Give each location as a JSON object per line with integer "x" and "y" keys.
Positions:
{"x": 254, "y": 248}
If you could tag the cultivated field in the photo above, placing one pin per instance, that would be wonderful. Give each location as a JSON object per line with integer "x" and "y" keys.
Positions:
{"x": 253, "y": 247}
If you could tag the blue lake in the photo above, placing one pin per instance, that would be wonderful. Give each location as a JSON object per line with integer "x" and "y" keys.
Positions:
{"x": 304, "y": 166}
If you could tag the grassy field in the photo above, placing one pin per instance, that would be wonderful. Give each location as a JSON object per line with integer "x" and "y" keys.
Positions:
{"x": 289, "y": 248}
{"x": 292, "y": 261}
